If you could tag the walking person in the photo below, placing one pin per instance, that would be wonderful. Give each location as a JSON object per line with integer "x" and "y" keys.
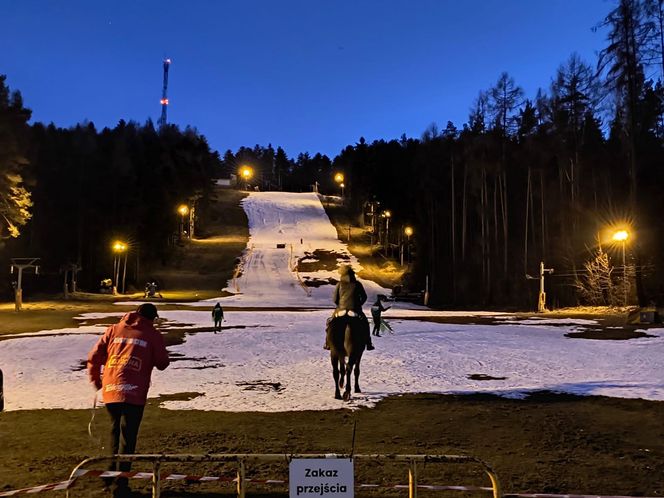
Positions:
{"x": 128, "y": 351}
{"x": 376, "y": 310}
{"x": 349, "y": 296}
{"x": 217, "y": 316}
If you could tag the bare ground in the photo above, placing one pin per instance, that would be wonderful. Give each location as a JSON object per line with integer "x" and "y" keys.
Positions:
{"x": 546, "y": 443}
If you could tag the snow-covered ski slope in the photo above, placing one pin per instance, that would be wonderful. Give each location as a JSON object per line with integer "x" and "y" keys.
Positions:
{"x": 272, "y": 359}
{"x": 283, "y": 228}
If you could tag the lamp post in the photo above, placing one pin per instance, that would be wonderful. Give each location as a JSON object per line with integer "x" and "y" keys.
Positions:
{"x": 119, "y": 248}
{"x": 246, "y": 172}
{"x": 387, "y": 215}
{"x": 339, "y": 178}
{"x": 183, "y": 209}
{"x": 408, "y": 231}
{"x": 622, "y": 236}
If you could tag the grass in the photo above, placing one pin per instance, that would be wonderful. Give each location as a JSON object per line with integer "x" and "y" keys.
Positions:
{"x": 202, "y": 268}
{"x": 207, "y": 263}
{"x": 386, "y": 272}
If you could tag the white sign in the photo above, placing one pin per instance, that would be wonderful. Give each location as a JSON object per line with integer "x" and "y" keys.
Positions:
{"x": 321, "y": 477}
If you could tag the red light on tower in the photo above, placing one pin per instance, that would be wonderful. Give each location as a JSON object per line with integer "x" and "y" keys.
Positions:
{"x": 164, "y": 101}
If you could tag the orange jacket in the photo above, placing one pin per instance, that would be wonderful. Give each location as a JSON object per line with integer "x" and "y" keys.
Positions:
{"x": 128, "y": 350}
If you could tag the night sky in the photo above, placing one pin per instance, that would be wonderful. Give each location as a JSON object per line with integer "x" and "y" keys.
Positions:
{"x": 306, "y": 75}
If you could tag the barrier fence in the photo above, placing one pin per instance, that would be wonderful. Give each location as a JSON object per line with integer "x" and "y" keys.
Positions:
{"x": 244, "y": 459}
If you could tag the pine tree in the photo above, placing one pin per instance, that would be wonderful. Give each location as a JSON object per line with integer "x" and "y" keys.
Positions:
{"x": 15, "y": 202}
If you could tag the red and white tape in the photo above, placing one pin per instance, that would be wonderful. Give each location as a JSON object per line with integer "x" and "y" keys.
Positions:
{"x": 196, "y": 478}
{"x": 545, "y": 495}
{"x": 56, "y": 486}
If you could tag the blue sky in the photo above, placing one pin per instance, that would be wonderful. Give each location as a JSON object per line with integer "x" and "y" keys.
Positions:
{"x": 308, "y": 75}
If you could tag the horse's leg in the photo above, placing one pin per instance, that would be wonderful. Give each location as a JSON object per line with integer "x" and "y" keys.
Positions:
{"x": 342, "y": 368}
{"x": 335, "y": 375}
{"x": 357, "y": 376}
{"x": 349, "y": 370}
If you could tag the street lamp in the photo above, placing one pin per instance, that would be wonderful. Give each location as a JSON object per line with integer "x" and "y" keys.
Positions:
{"x": 408, "y": 231}
{"x": 387, "y": 215}
{"x": 119, "y": 248}
{"x": 183, "y": 209}
{"x": 621, "y": 236}
{"x": 339, "y": 178}
{"x": 246, "y": 172}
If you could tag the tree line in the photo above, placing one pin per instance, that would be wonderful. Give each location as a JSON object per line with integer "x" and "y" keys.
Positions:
{"x": 70, "y": 193}
{"x": 524, "y": 180}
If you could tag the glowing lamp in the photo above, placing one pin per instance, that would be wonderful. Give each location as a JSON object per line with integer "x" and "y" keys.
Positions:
{"x": 621, "y": 236}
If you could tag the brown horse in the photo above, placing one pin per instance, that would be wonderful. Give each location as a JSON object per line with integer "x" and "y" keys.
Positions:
{"x": 347, "y": 339}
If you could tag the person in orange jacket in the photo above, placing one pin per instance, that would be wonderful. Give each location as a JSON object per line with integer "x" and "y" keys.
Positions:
{"x": 128, "y": 351}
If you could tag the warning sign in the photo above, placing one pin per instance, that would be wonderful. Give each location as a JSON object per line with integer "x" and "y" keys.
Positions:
{"x": 331, "y": 477}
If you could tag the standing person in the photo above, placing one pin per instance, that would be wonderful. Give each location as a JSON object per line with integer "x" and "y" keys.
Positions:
{"x": 128, "y": 351}
{"x": 349, "y": 296}
{"x": 217, "y": 316}
{"x": 376, "y": 310}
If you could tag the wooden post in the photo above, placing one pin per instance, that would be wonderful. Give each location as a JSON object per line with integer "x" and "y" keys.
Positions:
{"x": 240, "y": 479}
{"x": 156, "y": 491}
{"x": 412, "y": 480}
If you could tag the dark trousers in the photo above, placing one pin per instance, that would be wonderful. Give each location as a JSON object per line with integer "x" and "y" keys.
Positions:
{"x": 217, "y": 325}
{"x": 125, "y": 422}
{"x": 376, "y": 324}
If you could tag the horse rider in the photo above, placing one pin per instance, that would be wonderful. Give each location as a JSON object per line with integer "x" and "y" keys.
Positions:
{"x": 349, "y": 296}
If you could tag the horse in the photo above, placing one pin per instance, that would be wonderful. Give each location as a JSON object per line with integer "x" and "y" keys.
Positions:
{"x": 347, "y": 340}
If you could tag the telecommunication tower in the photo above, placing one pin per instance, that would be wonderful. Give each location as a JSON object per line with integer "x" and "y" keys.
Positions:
{"x": 164, "y": 98}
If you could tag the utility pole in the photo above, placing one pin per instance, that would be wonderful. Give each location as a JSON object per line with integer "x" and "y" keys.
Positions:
{"x": 21, "y": 264}
{"x": 541, "y": 300}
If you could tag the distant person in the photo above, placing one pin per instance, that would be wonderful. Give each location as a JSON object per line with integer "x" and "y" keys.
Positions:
{"x": 128, "y": 351}
{"x": 349, "y": 296}
{"x": 151, "y": 290}
{"x": 376, "y": 311}
{"x": 218, "y": 317}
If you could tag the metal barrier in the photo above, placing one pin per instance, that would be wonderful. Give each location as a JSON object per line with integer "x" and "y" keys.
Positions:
{"x": 242, "y": 459}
